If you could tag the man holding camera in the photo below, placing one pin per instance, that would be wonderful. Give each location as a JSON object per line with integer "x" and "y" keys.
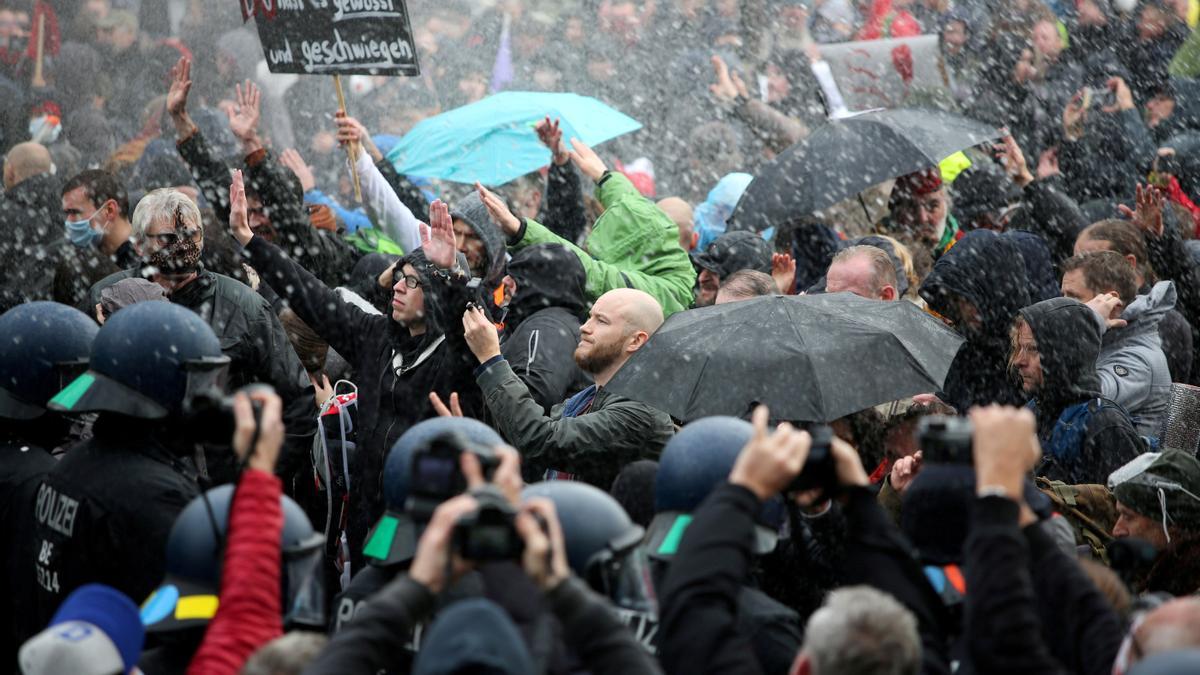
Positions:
{"x": 591, "y": 435}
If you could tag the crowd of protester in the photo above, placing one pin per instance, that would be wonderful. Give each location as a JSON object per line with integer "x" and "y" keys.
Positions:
{"x": 252, "y": 424}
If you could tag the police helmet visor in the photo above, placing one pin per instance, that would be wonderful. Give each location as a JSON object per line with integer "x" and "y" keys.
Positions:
{"x": 305, "y": 578}
{"x": 621, "y": 571}
{"x": 96, "y": 392}
{"x": 15, "y": 407}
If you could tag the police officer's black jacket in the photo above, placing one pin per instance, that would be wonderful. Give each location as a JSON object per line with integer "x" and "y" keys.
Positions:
{"x": 22, "y": 466}
{"x": 104, "y": 512}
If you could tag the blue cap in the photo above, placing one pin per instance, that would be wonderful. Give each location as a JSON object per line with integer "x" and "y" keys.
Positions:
{"x": 112, "y": 612}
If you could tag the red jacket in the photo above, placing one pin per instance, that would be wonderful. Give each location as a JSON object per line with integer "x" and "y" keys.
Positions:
{"x": 249, "y": 615}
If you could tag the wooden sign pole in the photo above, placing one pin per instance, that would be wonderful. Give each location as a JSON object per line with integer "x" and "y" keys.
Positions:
{"x": 352, "y": 149}
{"x": 39, "y": 80}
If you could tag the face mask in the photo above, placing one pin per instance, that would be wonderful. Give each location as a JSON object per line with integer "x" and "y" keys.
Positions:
{"x": 82, "y": 233}
{"x": 181, "y": 257}
{"x": 44, "y": 129}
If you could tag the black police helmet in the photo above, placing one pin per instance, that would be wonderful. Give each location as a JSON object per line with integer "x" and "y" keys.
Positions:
{"x": 44, "y": 346}
{"x": 188, "y": 595}
{"x": 146, "y": 361}
{"x": 394, "y": 538}
{"x": 694, "y": 462}
{"x": 603, "y": 544}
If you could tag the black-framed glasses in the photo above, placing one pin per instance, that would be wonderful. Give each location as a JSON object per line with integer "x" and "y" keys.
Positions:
{"x": 166, "y": 239}
{"x": 410, "y": 280}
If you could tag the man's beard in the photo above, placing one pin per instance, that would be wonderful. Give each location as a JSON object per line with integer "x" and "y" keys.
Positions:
{"x": 600, "y": 357}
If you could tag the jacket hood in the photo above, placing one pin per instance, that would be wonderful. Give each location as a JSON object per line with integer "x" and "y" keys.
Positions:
{"x": 986, "y": 269}
{"x": 547, "y": 275}
{"x": 1145, "y": 313}
{"x": 473, "y": 636}
{"x": 1068, "y": 340}
{"x": 470, "y": 210}
{"x": 1039, "y": 268}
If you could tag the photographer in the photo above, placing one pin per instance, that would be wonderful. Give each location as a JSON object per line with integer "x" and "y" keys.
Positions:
{"x": 698, "y": 597}
{"x": 369, "y": 643}
{"x": 1065, "y": 625}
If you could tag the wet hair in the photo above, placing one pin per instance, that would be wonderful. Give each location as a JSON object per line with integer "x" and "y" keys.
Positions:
{"x": 1124, "y": 239}
{"x": 165, "y": 204}
{"x": 288, "y": 654}
{"x": 883, "y": 272}
{"x": 1014, "y": 343}
{"x": 862, "y": 631}
{"x": 100, "y": 186}
{"x": 310, "y": 347}
{"x": 1105, "y": 271}
{"x": 749, "y": 284}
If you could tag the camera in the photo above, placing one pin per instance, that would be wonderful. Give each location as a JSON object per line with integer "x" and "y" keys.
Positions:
{"x": 945, "y": 439}
{"x": 209, "y": 417}
{"x": 820, "y": 469}
{"x": 490, "y": 533}
{"x": 436, "y": 474}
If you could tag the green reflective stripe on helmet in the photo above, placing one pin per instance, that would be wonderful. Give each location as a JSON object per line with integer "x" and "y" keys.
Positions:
{"x": 381, "y": 539}
{"x": 68, "y": 397}
{"x": 670, "y": 543}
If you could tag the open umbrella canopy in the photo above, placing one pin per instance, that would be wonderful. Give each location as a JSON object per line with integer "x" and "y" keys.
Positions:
{"x": 810, "y": 358}
{"x": 849, "y": 155}
{"x": 493, "y": 140}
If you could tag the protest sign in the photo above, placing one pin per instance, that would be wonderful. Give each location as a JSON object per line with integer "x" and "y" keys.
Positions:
{"x": 335, "y": 37}
{"x": 885, "y": 73}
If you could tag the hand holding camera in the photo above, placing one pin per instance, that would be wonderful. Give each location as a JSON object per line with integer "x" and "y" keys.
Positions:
{"x": 258, "y": 427}
{"x": 545, "y": 555}
{"x": 770, "y": 462}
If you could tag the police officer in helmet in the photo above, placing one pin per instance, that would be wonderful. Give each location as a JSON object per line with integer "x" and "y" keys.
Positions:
{"x": 46, "y": 345}
{"x": 104, "y": 511}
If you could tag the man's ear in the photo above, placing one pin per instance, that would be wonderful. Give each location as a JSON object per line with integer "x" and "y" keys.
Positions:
{"x": 639, "y": 340}
{"x": 1131, "y": 260}
{"x": 888, "y": 293}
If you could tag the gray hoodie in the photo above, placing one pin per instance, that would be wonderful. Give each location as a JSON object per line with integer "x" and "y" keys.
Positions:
{"x": 1132, "y": 368}
{"x": 470, "y": 209}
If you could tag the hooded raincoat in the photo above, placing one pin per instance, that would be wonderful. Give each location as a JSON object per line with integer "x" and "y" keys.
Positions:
{"x": 1132, "y": 368}
{"x": 634, "y": 244}
{"x": 1081, "y": 443}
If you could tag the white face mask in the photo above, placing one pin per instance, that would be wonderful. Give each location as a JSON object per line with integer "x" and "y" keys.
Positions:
{"x": 44, "y": 129}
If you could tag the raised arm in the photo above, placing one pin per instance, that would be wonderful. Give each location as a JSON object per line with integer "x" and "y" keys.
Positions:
{"x": 395, "y": 219}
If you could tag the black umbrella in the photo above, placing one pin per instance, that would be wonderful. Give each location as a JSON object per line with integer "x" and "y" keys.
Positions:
{"x": 849, "y": 155}
{"x": 811, "y": 358}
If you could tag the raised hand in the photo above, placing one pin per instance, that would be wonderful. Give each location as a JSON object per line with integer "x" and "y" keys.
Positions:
{"x": 550, "y": 135}
{"x": 181, "y": 84}
{"x": 243, "y": 121}
{"x": 351, "y": 131}
{"x": 1074, "y": 115}
{"x": 1010, "y": 155}
{"x": 435, "y": 565}
{"x": 480, "y": 334}
{"x": 729, "y": 86}
{"x": 904, "y": 471}
{"x": 587, "y": 160}
{"x": 269, "y": 427}
{"x": 1006, "y": 449}
{"x": 545, "y": 556}
{"x": 1123, "y": 98}
{"x": 783, "y": 271}
{"x": 443, "y": 410}
{"x": 770, "y": 461}
{"x": 438, "y": 241}
{"x": 239, "y": 218}
{"x": 292, "y": 160}
{"x": 498, "y": 210}
{"x": 1109, "y": 307}
{"x": 1048, "y": 164}
{"x": 1148, "y": 216}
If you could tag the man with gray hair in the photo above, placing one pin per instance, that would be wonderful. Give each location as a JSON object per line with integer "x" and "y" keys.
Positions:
{"x": 866, "y": 271}
{"x": 170, "y": 237}
{"x": 860, "y": 631}
{"x": 746, "y": 284}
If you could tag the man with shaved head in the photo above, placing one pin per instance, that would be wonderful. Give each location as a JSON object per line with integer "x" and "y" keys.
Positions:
{"x": 593, "y": 434}
{"x": 24, "y": 161}
{"x": 681, "y": 213}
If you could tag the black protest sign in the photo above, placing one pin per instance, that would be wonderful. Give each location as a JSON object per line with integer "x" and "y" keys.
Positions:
{"x": 336, "y": 37}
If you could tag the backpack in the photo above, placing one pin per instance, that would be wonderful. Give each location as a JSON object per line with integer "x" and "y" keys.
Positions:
{"x": 1090, "y": 509}
{"x": 333, "y": 454}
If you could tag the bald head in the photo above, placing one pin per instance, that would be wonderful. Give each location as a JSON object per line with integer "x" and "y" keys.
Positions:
{"x": 1174, "y": 625}
{"x": 680, "y": 212}
{"x": 620, "y": 323}
{"x": 24, "y": 161}
{"x": 639, "y": 309}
